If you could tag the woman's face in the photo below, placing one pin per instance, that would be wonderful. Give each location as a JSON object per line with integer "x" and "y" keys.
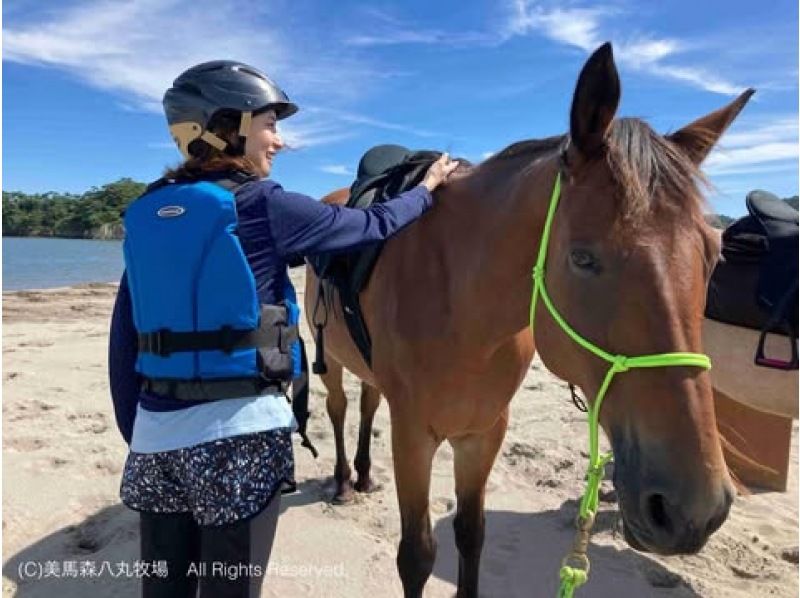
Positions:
{"x": 263, "y": 142}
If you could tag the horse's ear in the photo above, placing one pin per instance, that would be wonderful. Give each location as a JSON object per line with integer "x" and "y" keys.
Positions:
{"x": 697, "y": 138}
{"x": 595, "y": 102}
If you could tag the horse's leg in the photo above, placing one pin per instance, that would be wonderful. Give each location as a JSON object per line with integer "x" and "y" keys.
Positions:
{"x": 370, "y": 399}
{"x": 474, "y": 456}
{"x": 412, "y": 452}
{"x": 336, "y": 404}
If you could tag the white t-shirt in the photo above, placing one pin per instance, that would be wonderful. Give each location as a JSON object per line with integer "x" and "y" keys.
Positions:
{"x": 158, "y": 431}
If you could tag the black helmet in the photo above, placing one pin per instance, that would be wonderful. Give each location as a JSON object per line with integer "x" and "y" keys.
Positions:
{"x": 198, "y": 93}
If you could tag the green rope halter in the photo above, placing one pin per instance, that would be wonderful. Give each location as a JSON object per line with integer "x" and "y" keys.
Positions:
{"x": 571, "y": 576}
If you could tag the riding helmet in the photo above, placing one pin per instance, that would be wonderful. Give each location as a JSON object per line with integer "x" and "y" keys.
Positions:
{"x": 201, "y": 91}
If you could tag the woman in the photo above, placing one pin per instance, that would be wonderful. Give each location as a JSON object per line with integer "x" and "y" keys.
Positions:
{"x": 210, "y": 450}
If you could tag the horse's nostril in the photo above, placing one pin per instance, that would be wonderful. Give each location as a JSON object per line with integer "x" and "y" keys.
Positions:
{"x": 657, "y": 512}
{"x": 670, "y": 525}
{"x": 728, "y": 496}
{"x": 717, "y": 520}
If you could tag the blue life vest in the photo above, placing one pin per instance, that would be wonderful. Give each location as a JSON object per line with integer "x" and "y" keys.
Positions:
{"x": 202, "y": 332}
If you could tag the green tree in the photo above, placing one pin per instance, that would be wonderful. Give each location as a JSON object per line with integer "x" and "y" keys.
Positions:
{"x": 68, "y": 215}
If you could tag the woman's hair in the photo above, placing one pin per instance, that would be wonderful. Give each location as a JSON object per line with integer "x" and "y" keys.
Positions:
{"x": 207, "y": 159}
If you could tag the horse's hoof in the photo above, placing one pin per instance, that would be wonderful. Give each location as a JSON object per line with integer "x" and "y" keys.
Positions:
{"x": 344, "y": 494}
{"x": 368, "y": 486}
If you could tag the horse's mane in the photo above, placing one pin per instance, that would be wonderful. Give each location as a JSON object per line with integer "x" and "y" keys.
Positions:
{"x": 530, "y": 148}
{"x": 650, "y": 171}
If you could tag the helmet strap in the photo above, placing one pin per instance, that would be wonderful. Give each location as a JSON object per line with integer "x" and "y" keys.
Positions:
{"x": 185, "y": 133}
{"x": 213, "y": 140}
{"x": 244, "y": 128}
{"x": 244, "y": 124}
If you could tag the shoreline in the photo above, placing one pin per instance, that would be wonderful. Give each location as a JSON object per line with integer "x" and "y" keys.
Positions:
{"x": 66, "y": 238}
{"x": 76, "y": 286}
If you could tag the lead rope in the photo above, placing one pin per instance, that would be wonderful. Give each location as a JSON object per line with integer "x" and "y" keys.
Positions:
{"x": 575, "y": 566}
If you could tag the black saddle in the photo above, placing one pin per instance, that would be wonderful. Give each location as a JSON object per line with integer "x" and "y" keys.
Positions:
{"x": 755, "y": 285}
{"x": 384, "y": 172}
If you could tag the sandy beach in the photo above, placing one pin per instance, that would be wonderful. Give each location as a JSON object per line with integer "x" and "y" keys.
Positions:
{"x": 63, "y": 455}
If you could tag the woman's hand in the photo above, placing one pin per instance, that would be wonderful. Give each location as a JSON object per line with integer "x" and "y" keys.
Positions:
{"x": 438, "y": 172}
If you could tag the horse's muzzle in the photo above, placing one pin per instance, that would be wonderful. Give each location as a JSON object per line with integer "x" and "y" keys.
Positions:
{"x": 666, "y": 526}
{"x": 665, "y": 509}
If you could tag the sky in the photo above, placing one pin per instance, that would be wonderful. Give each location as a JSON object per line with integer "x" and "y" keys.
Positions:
{"x": 83, "y": 80}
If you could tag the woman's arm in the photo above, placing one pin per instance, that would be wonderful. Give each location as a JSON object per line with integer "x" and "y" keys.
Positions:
{"x": 302, "y": 225}
{"x": 122, "y": 353}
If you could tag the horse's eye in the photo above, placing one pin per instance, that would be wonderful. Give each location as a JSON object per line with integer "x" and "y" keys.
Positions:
{"x": 584, "y": 260}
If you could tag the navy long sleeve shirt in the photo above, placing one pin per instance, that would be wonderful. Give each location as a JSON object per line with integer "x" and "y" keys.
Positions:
{"x": 274, "y": 227}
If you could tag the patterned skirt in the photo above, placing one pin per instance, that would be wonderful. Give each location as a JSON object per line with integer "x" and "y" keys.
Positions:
{"x": 219, "y": 482}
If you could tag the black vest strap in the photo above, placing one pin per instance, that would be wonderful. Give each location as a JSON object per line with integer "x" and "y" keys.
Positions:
{"x": 211, "y": 390}
{"x": 273, "y": 331}
{"x": 165, "y": 342}
{"x": 272, "y": 340}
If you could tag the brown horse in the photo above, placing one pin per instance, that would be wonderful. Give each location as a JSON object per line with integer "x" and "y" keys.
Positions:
{"x": 448, "y": 305}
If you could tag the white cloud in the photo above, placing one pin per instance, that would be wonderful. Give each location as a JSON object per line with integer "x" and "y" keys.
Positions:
{"x": 736, "y": 159}
{"x": 648, "y": 51}
{"x": 582, "y": 28}
{"x": 572, "y": 26}
{"x": 135, "y": 49}
{"x": 360, "y": 119}
{"x": 697, "y": 78}
{"x": 384, "y": 29}
{"x": 339, "y": 169}
{"x": 578, "y": 27}
{"x": 307, "y": 130}
{"x": 781, "y": 128}
{"x": 770, "y": 146}
{"x": 430, "y": 36}
{"x": 782, "y": 166}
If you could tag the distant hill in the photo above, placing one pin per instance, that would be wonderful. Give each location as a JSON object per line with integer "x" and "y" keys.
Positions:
{"x": 94, "y": 215}
{"x": 719, "y": 220}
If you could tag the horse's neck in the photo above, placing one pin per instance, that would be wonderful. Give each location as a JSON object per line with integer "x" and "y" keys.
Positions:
{"x": 496, "y": 216}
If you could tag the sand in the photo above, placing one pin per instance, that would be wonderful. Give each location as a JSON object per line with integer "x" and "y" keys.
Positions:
{"x": 62, "y": 458}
